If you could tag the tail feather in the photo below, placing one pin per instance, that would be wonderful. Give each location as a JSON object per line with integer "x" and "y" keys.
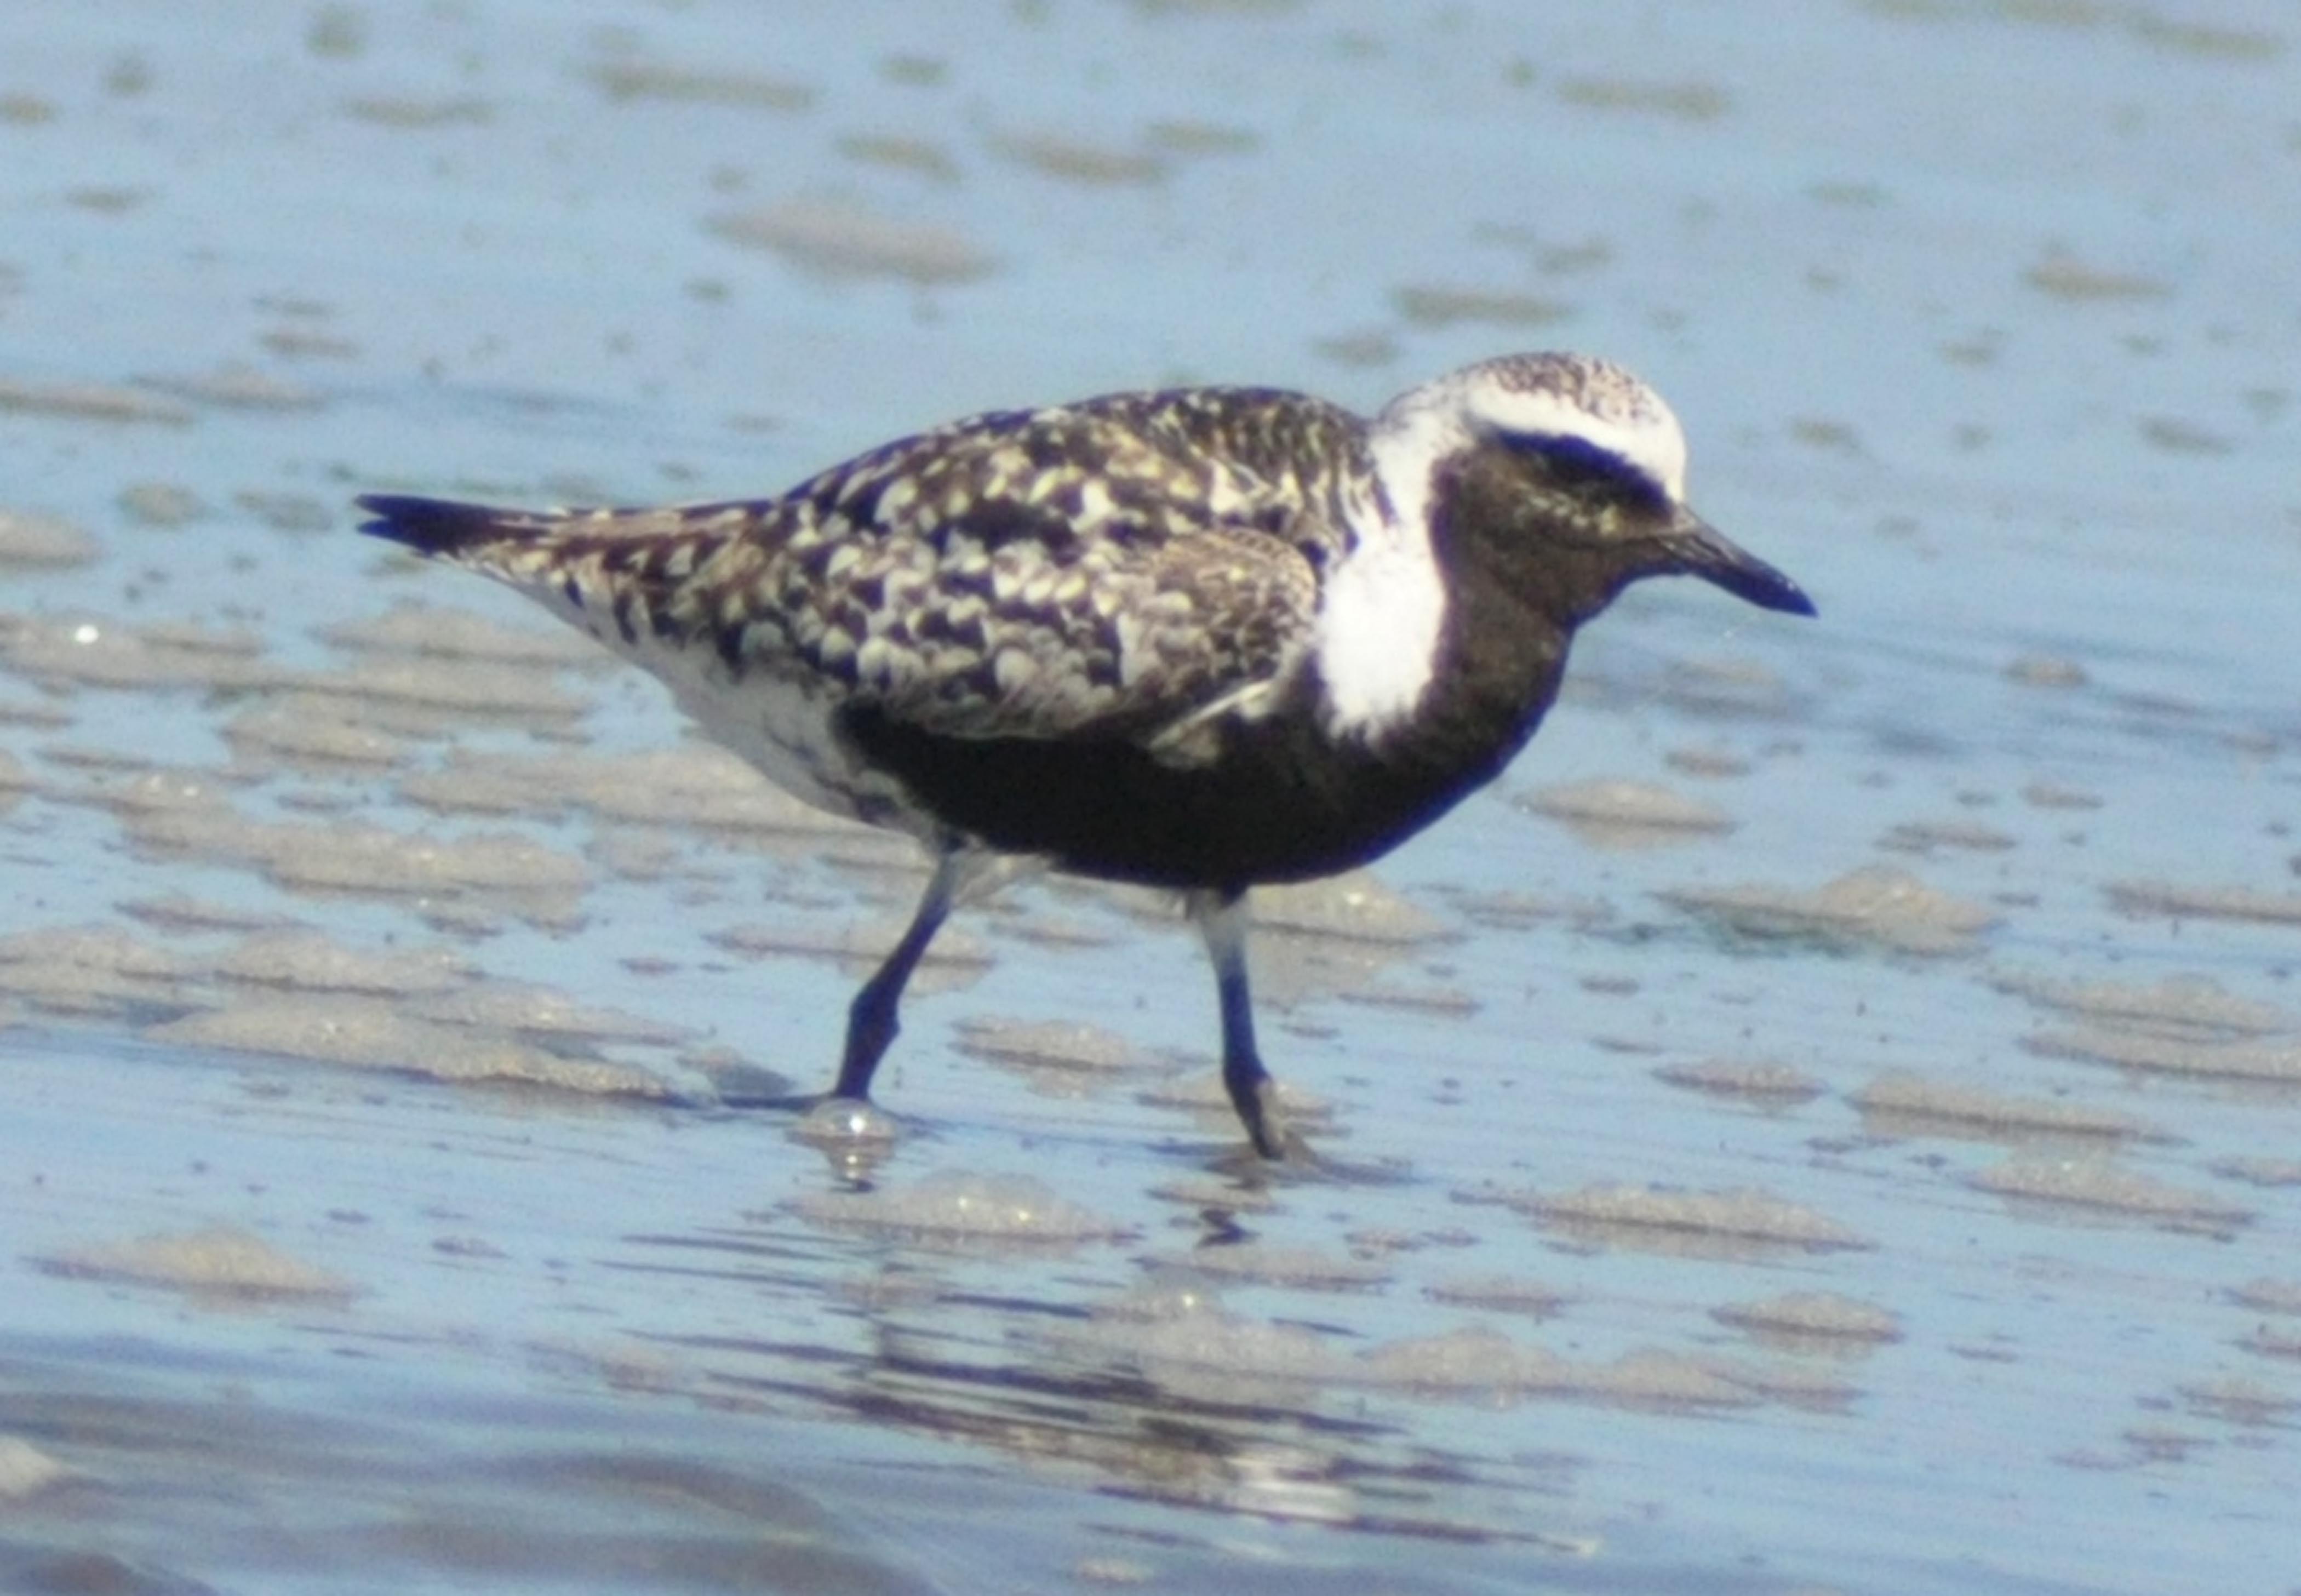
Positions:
{"x": 620, "y": 575}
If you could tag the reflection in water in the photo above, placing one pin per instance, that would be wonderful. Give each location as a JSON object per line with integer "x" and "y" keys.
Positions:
{"x": 1165, "y": 1394}
{"x": 1257, "y": 1437}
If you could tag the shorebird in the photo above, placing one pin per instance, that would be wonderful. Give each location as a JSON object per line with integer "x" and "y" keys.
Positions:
{"x": 1200, "y": 638}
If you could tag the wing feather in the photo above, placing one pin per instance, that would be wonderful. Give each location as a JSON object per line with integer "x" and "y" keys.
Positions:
{"x": 1097, "y": 569}
{"x": 1124, "y": 567}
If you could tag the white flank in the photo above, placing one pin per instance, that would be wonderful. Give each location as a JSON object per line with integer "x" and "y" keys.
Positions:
{"x": 781, "y": 721}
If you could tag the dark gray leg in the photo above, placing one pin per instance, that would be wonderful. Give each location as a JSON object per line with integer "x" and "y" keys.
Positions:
{"x": 871, "y": 1023}
{"x": 1221, "y": 920}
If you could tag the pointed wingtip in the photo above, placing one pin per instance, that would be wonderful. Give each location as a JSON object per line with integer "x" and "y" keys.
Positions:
{"x": 427, "y": 525}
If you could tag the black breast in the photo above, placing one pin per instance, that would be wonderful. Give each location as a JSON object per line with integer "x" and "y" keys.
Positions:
{"x": 1282, "y": 799}
{"x": 1279, "y": 803}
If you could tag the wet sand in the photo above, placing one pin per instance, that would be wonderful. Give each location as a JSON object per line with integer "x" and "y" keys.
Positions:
{"x": 1826, "y": 1121}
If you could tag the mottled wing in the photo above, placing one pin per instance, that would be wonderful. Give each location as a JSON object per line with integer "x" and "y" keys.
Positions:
{"x": 1107, "y": 568}
{"x": 1121, "y": 567}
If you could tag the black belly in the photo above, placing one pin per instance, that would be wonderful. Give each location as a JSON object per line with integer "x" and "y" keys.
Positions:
{"x": 1280, "y": 803}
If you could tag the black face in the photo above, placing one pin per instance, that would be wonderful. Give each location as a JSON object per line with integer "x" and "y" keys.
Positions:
{"x": 1597, "y": 521}
{"x": 1587, "y": 473}
{"x": 1561, "y": 492}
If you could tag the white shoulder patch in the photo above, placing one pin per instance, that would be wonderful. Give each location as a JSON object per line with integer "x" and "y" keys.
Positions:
{"x": 1386, "y": 603}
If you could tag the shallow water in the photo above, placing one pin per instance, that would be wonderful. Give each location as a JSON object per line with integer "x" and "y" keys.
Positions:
{"x": 1884, "y": 1179}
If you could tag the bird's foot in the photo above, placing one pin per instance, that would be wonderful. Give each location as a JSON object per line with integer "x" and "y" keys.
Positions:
{"x": 854, "y": 1132}
{"x": 1267, "y": 1125}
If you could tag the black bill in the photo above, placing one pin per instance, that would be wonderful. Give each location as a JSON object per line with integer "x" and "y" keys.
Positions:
{"x": 1705, "y": 551}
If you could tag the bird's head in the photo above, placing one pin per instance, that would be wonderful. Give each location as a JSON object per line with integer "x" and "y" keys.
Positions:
{"x": 1567, "y": 462}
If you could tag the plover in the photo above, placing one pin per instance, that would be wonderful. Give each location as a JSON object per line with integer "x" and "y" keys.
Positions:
{"x": 1200, "y": 638}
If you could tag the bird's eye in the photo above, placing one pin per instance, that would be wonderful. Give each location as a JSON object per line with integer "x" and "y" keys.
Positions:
{"x": 1581, "y": 466}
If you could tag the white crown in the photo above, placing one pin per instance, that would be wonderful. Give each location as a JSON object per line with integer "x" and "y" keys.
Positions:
{"x": 1554, "y": 396}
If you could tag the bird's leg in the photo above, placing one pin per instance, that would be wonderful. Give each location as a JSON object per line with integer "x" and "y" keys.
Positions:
{"x": 1221, "y": 919}
{"x": 871, "y": 1023}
